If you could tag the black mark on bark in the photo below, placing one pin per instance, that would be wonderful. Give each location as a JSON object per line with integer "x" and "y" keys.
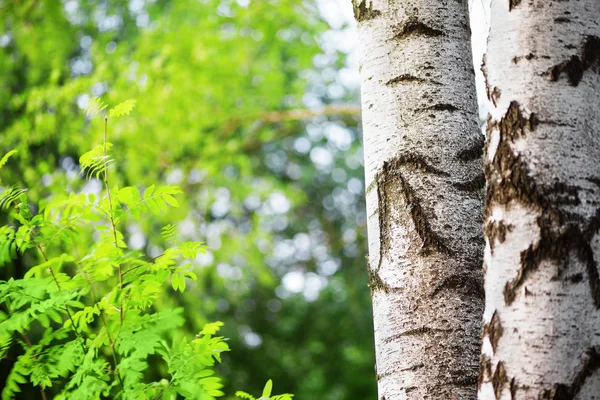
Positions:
{"x": 423, "y": 330}
{"x": 496, "y": 230}
{"x": 416, "y": 27}
{"x": 364, "y": 12}
{"x": 590, "y": 364}
{"x": 495, "y": 95}
{"x": 561, "y": 233}
{"x": 499, "y": 380}
{"x": 441, "y": 107}
{"x": 556, "y": 244}
{"x": 493, "y": 330}
{"x": 473, "y": 152}
{"x": 506, "y": 174}
{"x": 391, "y": 183}
{"x": 485, "y": 369}
{"x": 562, "y": 20}
{"x": 588, "y": 58}
{"x": 474, "y": 185}
{"x": 512, "y": 4}
{"x": 594, "y": 180}
{"x": 407, "y": 78}
{"x": 377, "y": 284}
{"x": 469, "y": 284}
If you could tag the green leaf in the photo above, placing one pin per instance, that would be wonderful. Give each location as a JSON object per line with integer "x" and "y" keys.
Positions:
{"x": 95, "y": 107}
{"x": 5, "y": 158}
{"x": 268, "y": 388}
{"x": 244, "y": 395}
{"x": 121, "y": 109}
{"x": 211, "y": 328}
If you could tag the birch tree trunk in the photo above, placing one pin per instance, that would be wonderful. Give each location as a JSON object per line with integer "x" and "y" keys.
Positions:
{"x": 541, "y": 338}
{"x": 423, "y": 169}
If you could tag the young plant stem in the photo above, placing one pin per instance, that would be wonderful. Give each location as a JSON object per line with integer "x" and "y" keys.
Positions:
{"x": 111, "y": 215}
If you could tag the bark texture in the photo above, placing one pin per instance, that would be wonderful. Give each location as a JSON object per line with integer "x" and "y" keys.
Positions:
{"x": 423, "y": 169}
{"x": 541, "y": 335}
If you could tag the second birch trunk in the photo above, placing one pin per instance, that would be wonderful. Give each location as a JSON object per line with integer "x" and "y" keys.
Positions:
{"x": 542, "y": 316}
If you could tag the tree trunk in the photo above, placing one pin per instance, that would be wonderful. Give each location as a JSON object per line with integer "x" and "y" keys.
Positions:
{"x": 541, "y": 338}
{"x": 423, "y": 168}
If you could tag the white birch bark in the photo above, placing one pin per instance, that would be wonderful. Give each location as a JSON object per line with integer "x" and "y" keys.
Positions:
{"x": 424, "y": 179}
{"x": 541, "y": 338}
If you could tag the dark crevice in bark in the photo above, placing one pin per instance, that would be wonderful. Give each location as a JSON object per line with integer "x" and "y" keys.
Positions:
{"x": 499, "y": 380}
{"x": 561, "y": 233}
{"x": 493, "y": 93}
{"x": 556, "y": 246}
{"x": 417, "y": 162}
{"x": 470, "y": 284}
{"x": 553, "y": 123}
{"x": 512, "y": 4}
{"x": 494, "y": 96}
{"x": 560, "y": 391}
{"x": 474, "y": 185}
{"x": 407, "y": 78}
{"x": 496, "y": 230}
{"x": 507, "y": 174}
{"x": 594, "y": 180}
{"x": 528, "y": 57}
{"x": 562, "y": 20}
{"x": 384, "y": 222}
{"x": 413, "y": 367}
{"x": 390, "y": 184}
{"x": 493, "y": 330}
{"x": 432, "y": 242}
{"x": 376, "y": 284}
{"x": 423, "y": 330}
{"x": 416, "y": 27}
{"x": 485, "y": 369}
{"x": 473, "y": 152}
{"x": 464, "y": 381}
{"x": 364, "y": 12}
{"x": 588, "y": 58}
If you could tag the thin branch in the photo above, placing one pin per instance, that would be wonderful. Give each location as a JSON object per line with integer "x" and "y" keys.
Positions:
{"x": 351, "y": 110}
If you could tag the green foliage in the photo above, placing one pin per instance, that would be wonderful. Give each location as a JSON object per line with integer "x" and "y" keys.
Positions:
{"x": 86, "y": 324}
{"x": 205, "y": 74}
{"x": 266, "y": 394}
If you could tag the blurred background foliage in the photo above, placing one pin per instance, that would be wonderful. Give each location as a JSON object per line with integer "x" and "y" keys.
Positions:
{"x": 252, "y": 107}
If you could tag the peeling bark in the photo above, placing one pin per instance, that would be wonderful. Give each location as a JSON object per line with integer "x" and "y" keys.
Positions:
{"x": 542, "y": 217}
{"x": 423, "y": 161}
